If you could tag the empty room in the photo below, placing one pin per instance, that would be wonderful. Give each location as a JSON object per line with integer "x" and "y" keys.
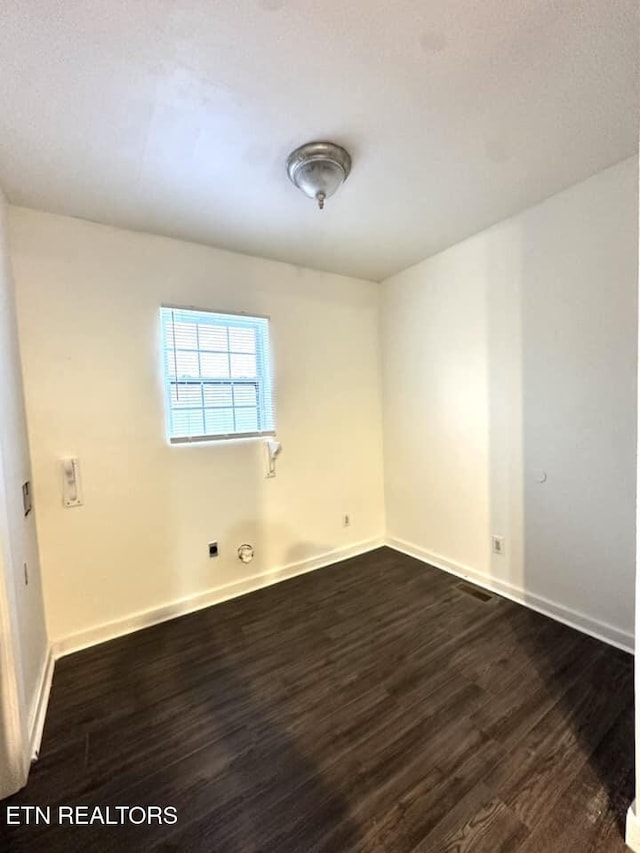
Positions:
{"x": 318, "y": 426}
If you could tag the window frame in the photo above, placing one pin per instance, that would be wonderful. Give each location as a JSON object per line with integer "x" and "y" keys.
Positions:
{"x": 263, "y": 382}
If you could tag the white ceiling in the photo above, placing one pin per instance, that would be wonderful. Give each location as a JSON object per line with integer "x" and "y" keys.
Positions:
{"x": 176, "y": 116}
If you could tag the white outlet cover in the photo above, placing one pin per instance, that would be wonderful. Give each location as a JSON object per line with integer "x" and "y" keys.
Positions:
{"x": 497, "y": 544}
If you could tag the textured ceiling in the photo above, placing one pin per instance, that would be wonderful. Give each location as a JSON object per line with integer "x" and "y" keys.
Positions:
{"x": 176, "y": 117}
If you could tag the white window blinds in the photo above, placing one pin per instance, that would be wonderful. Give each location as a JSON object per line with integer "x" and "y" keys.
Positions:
{"x": 216, "y": 375}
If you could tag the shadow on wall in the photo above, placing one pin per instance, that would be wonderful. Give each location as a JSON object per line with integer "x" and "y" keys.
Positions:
{"x": 562, "y": 403}
{"x": 203, "y": 483}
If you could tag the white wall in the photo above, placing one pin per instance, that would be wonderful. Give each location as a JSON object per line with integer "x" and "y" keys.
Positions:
{"x": 22, "y": 627}
{"x": 88, "y": 299}
{"x": 511, "y": 354}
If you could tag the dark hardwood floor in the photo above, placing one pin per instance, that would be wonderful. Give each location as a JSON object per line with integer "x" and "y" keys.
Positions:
{"x": 370, "y": 706}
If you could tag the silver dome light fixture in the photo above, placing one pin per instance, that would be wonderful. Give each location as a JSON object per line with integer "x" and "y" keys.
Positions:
{"x": 318, "y": 169}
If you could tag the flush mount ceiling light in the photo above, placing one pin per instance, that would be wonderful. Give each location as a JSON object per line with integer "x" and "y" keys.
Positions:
{"x": 318, "y": 169}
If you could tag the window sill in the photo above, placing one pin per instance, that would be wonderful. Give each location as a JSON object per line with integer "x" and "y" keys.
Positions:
{"x": 216, "y": 439}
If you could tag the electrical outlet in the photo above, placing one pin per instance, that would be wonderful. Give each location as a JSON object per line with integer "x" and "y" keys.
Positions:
{"x": 213, "y": 549}
{"x": 497, "y": 544}
{"x": 346, "y": 520}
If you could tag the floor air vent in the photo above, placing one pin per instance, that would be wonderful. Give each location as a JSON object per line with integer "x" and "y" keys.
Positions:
{"x": 480, "y": 594}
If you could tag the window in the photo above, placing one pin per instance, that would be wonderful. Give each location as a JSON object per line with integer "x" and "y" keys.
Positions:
{"x": 216, "y": 375}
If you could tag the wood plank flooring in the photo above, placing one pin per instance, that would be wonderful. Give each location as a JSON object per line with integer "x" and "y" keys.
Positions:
{"x": 369, "y": 706}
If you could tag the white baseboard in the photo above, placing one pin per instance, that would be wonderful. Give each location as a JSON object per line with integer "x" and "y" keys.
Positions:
{"x": 39, "y": 710}
{"x": 580, "y": 621}
{"x": 146, "y": 618}
{"x": 632, "y": 832}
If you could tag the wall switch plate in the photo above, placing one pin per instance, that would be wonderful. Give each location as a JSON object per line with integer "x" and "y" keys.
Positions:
{"x": 497, "y": 544}
{"x": 213, "y": 549}
{"x": 346, "y": 520}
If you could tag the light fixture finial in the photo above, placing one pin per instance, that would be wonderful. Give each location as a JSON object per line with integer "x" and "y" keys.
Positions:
{"x": 318, "y": 169}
